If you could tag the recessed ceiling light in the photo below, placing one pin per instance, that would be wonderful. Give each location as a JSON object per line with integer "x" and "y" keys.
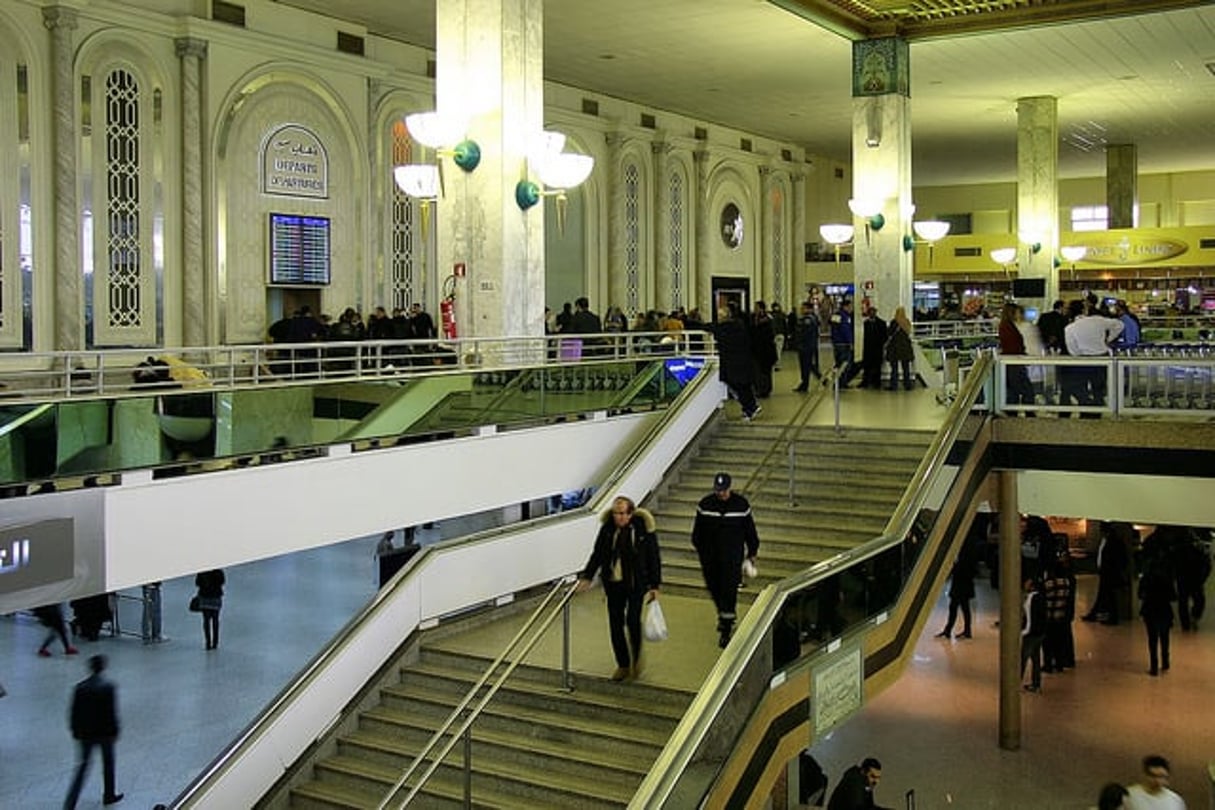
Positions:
{"x": 607, "y": 57}
{"x": 1211, "y": 67}
{"x": 1130, "y": 77}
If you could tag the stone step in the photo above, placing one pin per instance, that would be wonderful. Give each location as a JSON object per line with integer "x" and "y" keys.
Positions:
{"x": 741, "y": 466}
{"x": 520, "y": 692}
{"x": 811, "y": 451}
{"x": 668, "y": 702}
{"x": 806, "y": 478}
{"x": 774, "y": 512}
{"x": 808, "y": 528}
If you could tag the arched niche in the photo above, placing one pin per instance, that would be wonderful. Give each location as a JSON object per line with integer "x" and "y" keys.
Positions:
{"x": 261, "y": 106}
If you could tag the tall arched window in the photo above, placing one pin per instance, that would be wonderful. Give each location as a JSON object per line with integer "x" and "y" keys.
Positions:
{"x": 407, "y": 281}
{"x": 778, "y": 241}
{"x": 676, "y": 259}
{"x": 122, "y": 206}
{"x": 632, "y": 237}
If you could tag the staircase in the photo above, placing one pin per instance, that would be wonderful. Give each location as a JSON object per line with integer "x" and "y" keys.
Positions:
{"x": 845, "y": 490}
{"x": 534, "y": 746}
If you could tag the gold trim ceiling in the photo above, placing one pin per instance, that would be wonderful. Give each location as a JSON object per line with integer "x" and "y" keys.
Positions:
{"x": 930, "y": 19}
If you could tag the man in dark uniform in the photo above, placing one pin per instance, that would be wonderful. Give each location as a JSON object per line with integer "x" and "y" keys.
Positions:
{"x": 855, "y": 790}
{"x": 94, "y": 721}
{"x": 723, "y": 534}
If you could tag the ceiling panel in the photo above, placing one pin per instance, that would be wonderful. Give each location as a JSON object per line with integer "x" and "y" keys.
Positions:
{"x": 751, "y": 65}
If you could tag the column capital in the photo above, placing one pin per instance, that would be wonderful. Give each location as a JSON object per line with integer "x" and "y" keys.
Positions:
{"x": 54, "y": 17}
{"x": 765, "y": 171}
{"x": 192, "y": 47}
{"x": 660, "y": 147}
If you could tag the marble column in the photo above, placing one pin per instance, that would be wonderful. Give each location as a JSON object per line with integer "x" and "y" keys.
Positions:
{"x": 1009, "y": 732}
{"x": 705, "y": 230}
{"x": 660, "y": 225}
{"x": 1037, "y": 191}
{"x": 616, "y": 284}
{"x": 489, "y": 56}
{"x": 797, "y": 252}
{"x": 69, "y": 305}
{"x": 881, "y": 173}
{"x": 1121, "y": 184}
{"x": 195, "y": 295}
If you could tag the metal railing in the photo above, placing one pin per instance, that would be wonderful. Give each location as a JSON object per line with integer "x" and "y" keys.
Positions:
{"x": 128, "y": 372}
{"x": 789, "y": 436}
{"x": 464, "y": 732}
{"x": 944, "y": 330}
{"x": 1150, "y": 382}
{"x": 674, "y": 762}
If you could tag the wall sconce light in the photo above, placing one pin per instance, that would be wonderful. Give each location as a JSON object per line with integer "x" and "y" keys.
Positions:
{"x": 928, "y": 230}
{"x": 558, "y": 172}
{"x": 445, "y": 135}
{"x": 1073, "y": 254}
{"x": 871, "y": 212}
{"x": 837, "y": 235}
{"x": 421, "y": 181}
{"x": 1005, "y": 257}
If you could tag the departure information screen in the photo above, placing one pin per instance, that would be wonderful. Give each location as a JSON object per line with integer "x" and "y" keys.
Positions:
{"x": 299, "y": 249}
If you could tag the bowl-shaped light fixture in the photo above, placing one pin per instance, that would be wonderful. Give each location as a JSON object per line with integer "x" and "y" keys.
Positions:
{"x": 863, "y": 208}
{"x": 435, "y": 129}
{"x": 930, "y": 230}
{"x": 1073, "y": 253}
{"x": 1004, "y": 256}
{"x": 418, "y": 180}
{"x": 566, "y": 170}
{"x": 836, "y": 234}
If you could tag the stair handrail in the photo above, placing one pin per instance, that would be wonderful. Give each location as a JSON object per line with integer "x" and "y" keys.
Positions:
{"x": 656, "y": 788}
{"x": 801, "y": 419}
{"x": 470, "y": 696}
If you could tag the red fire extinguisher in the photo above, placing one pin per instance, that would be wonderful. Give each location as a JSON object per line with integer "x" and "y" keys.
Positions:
{"x": 447, "y": 308}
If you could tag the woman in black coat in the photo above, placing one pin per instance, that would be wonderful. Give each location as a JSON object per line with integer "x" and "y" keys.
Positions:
{"x": 626, "y": 557}
{"x": 763, "y": 349}
{"x": 210, "y": 586}
{"x": 1156, "y": 596}
{"x": 737, "y": 366}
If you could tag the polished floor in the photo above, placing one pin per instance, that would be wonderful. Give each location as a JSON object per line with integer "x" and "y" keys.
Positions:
{"x": 181, "y": 704}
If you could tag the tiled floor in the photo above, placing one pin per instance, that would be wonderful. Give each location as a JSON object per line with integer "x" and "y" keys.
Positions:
{"x": 180, "y": 704}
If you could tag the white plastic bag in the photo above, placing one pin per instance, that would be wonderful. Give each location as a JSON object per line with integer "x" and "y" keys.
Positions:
{"x": 655, "y": 623}
{"x": 749, "y": 571}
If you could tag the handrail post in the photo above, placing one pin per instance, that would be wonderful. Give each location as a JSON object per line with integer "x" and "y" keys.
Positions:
{"x": 468, "y": 768}
{"x": 567, "y": 683}
{"x": 836, "y": 386}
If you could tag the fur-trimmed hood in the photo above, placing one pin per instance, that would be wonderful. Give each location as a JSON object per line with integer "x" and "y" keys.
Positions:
{"x": 647, "y": 519}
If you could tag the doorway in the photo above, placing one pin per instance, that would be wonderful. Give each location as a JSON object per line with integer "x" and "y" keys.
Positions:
{"x": 730, "y": 290}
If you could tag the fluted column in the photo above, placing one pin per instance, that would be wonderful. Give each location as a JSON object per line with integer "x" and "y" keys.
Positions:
{"x": 797, "y": 253}
{"x": 615, "y": 286}
{"x": 61, "y": 21}
{"x": 767, "y": 291}
{"x": 195, "y": 295}
{"x": 662, "y": 233}
{"x": 705, "y": 230}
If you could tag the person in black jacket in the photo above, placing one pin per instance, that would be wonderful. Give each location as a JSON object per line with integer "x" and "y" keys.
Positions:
{"x": 763, "y": 349}
{"x": 94, "y": 722}
{"x": 873, "y": 350}
{"x": 627, "y": 559}
{"x": 855, "y": 790}
{"x": 210, "y": 586}
{"x": 723, "y": 534}
{"x": 805, "y": 339}
{"x": 1156, "y": 597}
{"x": 737, "y": 367}
{"x": 961, "y": 591}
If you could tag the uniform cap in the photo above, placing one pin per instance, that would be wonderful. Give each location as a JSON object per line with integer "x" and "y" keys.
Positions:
{"x": 721, "y": 482}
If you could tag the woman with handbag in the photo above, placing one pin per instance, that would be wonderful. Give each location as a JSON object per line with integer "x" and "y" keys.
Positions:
{"x": 626, "y": 557}
{"x": 899, "y": 350}
{"x": 210, "y": 600}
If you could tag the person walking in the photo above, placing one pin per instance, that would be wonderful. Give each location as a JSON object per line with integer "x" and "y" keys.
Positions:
{"x": 94, "y": 722}
{"x": 737, "y": 369}
{"x": 899, "y": 350}
{"x": 51, "y": 617}
{"x": 806, "y": 341}
{"x": 1156, "y": 597}
{"x": 210, "y": 586}
{"x": 873, "y": 349}
{"x": 724, "y": 534}
{"x": 627, "y": 559}
{"x": 961, "y": 591}
{"x": 1033, "y": 632}
{"x": 842, "y": 338}
{"x": 763, "y": 349}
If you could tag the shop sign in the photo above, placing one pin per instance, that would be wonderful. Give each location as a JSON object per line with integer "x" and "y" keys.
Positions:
{"x": 1130, "y": 249}
{"x": 295, "y": 164}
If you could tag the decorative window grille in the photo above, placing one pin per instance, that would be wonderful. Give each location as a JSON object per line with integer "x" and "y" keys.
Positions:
{"x": 406, "y": 283}
{"x": 632, "y": 237}
{"x": 778, "y": 244}
{"x": 676, "y": 233}
{"x": 124, "y": 253}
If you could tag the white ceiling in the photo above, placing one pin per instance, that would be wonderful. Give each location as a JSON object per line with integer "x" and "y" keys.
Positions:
{"x": 748, "y": 64}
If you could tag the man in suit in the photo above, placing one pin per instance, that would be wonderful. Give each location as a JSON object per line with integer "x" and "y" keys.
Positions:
{"x": 94, "y": 721}
{"x": 855, "y": 790}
